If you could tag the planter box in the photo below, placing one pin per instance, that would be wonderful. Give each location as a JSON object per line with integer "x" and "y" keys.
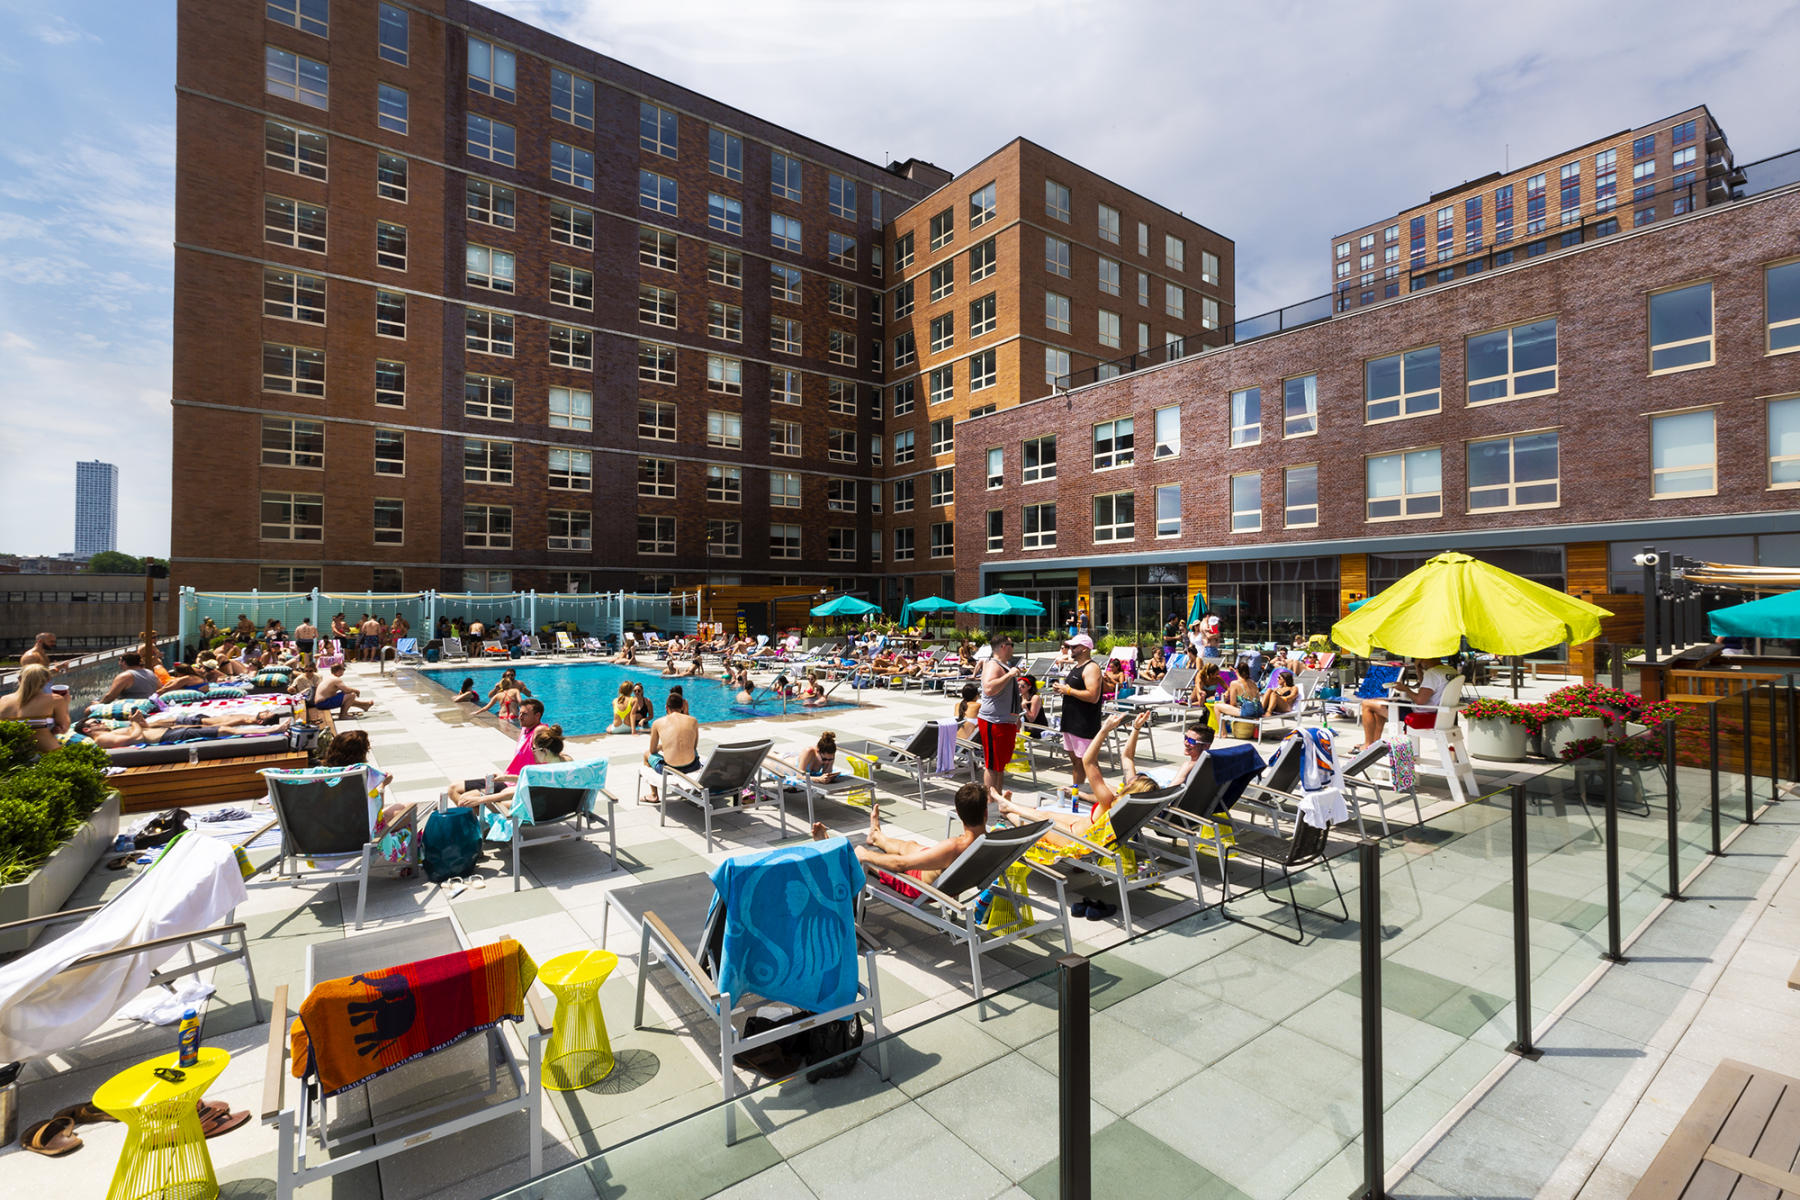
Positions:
{"x": 1558, "y": 734}
{"x": 46, "y": 889}
{"x": 1495, "y": 738}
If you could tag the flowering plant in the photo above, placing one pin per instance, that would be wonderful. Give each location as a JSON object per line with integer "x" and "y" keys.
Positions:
{"x": 1503, "y": 710}
{"x": 1642, "y": 749}
{"x": 1658, "y": 713}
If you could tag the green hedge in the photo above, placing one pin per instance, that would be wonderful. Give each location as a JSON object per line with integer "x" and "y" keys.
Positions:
{"x": 44, "y": 798}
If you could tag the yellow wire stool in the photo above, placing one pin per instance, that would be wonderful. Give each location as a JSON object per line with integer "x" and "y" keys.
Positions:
{"x": 165, "y": 1149}
{"x": 580, "y": 1053}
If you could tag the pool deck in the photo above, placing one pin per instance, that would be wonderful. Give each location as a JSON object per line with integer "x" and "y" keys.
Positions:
{"x": 1622, "y": 1060}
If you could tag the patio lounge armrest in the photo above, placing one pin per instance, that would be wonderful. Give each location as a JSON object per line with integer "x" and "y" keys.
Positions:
{"x": 610, "y": 798}
{"x": 172, "y": 941}
{"x": 681, "y": 775}
{"x": 275, "y": 1064}
{"x": 1289, "y": 797}
{"x": 673, "y": 947}
{"x": 785, "y": 766}
{"x": 539, "y": 1013}
{"x": 1050, "y": 873}
{"x": 68, "y": 914}
{"x": 900, "y": 751}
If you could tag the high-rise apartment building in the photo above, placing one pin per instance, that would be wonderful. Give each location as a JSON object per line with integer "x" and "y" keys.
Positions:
{"x": 1625, "y": 180}
{"x": 96, "y": 507}
{"x": 492, "y": 311}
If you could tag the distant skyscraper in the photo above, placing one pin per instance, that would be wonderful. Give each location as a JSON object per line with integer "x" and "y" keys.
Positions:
{"x": 96, "y": 507}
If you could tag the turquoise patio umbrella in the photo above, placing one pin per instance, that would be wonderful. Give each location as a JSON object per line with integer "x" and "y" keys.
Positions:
{"x": 905, "y": 612}
{"x": 931, "y": 604}
{"x": 1002, "y": 605}
{"x": 845, "y": 606}
{"x": 1770, "y": 617}
{"x": 1198, "y": 608}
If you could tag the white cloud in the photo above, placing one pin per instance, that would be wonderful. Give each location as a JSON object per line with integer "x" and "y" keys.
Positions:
{"x": 60, "y": 31}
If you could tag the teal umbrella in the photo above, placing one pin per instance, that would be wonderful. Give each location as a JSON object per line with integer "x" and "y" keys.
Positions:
{"x": 1770, "y": 617}
{"x": 845, "y": 606}
{"x": 935, "y": 604}
{"x": 1199, "y": 607}
{"x": 906, "y": 607}
{"x": 1002, "y": 605}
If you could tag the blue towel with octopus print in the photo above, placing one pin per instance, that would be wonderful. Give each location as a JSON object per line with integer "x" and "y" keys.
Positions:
{"x": 790, "y": 924}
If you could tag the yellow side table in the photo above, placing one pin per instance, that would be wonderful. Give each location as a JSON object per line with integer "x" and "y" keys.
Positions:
{"x": 580, "y": 1053}
{"x": 165, "y": 1150}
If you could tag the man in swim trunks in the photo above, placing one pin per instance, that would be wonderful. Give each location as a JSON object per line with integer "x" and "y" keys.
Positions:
{"x": 897, "y": 859}
{"x": 335, "y": 694}
{"x": 674, "y": 741}
{"x": 368, "y": 642}
{"x": 306, "y": 636}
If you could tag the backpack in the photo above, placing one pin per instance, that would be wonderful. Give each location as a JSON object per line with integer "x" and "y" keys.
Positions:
{"x": 450, "y": 844}
{"x": 830, "y": 1044}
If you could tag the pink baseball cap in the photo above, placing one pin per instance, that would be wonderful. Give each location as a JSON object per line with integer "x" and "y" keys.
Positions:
{"x": 1080, "y": 639}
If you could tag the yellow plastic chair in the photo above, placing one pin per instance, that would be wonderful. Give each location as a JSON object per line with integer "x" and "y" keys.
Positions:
{"x": 580, "y": 1052}
{"x": 165, "y": 1149}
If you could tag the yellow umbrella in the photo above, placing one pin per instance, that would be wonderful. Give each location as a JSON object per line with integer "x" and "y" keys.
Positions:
{"x": 1427, "y": 614}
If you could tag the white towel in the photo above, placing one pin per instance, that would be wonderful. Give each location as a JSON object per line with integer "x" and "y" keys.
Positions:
{"x": 1324, "y": 808}
{"x": 946, "y": 748}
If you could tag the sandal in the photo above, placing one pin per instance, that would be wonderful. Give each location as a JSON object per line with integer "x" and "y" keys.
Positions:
{"x": 209, "y": 1109}
{"x": 223, "y": 1122}
{"x": 86, "y": 1113}
{"x": 53, "y": 1138}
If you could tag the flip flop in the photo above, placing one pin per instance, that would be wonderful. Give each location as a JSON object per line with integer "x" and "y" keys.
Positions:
{"x": 53, "y": 1138}
{"x": 223, "y": 1122}
{"x": 86, "y": 1113}
{"x": 210, "y": 1109}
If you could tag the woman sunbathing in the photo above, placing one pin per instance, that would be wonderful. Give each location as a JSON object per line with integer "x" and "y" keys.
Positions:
{"x": 95, "y": 730}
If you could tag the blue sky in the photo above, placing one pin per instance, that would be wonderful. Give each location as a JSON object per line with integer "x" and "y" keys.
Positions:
{"x": 1278, "y": 124}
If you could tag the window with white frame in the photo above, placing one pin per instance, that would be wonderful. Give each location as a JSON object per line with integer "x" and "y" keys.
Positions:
{"x": 487, "y": 332}
{"x": 996, "y": 468}
{"x": 724, "y": 485}
{"x": 903, "y": 495}
{"x": 903, "y": 252}
{"x": 1209, "y": 267}
{"x": 1509, "y": 364}
{"x": 570, "y": 529}
{"x": 1407, "y": 483}
{"x": 1056, "y": 200}
{"x": 656, "y": 420}
{"x": 1109, "y": 276}
{"x": 840, "y": 445}
{"x": 657, "y": 129}
{"x": 840, "y": 495}
{"x": 1143, "y": 297}
{"x": 1109, "y": 224}
{"x": 840, "y": 347}
{"x": 656, "y": 478}
{"x": 840, "y": 298}
{"x": 389, "y": 521}
{"x": 487, "y": 267}
{"x": 290, "y": 223}
{"x": 488, "y": 203}
{"x": 1246, "y": 502}
{"x": 725, "y": 154}
{"x": 1037, "y": 526}
{"x": 984, "y": 370}
{"x": 1056, "y": 366}
{"x": 1038, "y": 456}
{"x": 1174, "y": 300}
{"x": 982, "y": 205}
{"x": 571, "y": 470}
{"x": 308, "y": 16}
{"x": 658, "y": 193}
{"x": 1681, "y": 328}
{"x": 724, "y": 429}
{"x": 571, "y": 408}
{"x": 983, "y": 316}
{"x": 1143, "y": 338}
{"x": 297, "y": 151}
{"x": 904, "y": 446}
{"x": 1246, "y": 416}
{"x": 725, "y": 213}
{"x": 1168, "y": 431}
{"x": 390, "y": 383}
{"x": 943, "y": 539}
{"x": 784, "y": 438}
{"x": 1056, "y": 312}
{"x": 1109, "y": 329}
{"x": 996, "y": 530}
{"x": 943, "y": 332}
{"x": 1300, "y": 406}
{"x": 1113, "y": 443}
{"x": 784, "y": 335}
{"x": 784, "y": 489}
{"x": 906, "y": 350}
{"x": 784, "y": 283}
{"x": 983, "y": 260}
{"x": 657, "y": 249}
{"x": 904, "y": 397}
{"x": 1401, "y": 385}
{"x": 656, "y": 363}
{"x": 572, "y": 226}
{"x": 571, "y": 347}
{"x": 1684, "y": 454}
{"x": 656, "y": 305}
{"x": 487, "y": 462}
{"x": 1300, "y": 496}
{"x": 495, "y": 141}
{"x": 840, "y": 544}
{"x": 943, "y": 488}
{"x": 1143, "y": 239}
{"x": 725, "y": 267}
{"x": 571, "y": 99}
{"x": 493, "y": 70}
{"x": 943, "y": 229}
{"x": 1115, "y": 517}
{"x": 1174, "y": 252}
{"x": 1514, "y": 472}
{"x": 296, "y": 77}
{"x": 390, "y": 314}
{"x": 784, "y": 175}
{"x": 296, "y": 370}
{"x": 293, "y": 296}
{"x": 943, "y": 279}
{"x": 390, "y": 177}
{"x": 784, "y": 541}
{"x": 1168, "y": 510}
{"x": 840, "y": 250}
{"x": 903, "y": 545}
{"x": 487, "y": 397}
{"x": 1784, "y": 442}
{"x": 943, "y": 436}
{"x": 840, "y": 196}
{"x": 656, "y": 535}
{"x": 290, "y": 443}
{"x": 391, "y": 108}
{"x": 724, "y": 321}
{"x": 486, "y": 581}
{"x": 571, "y": 286}
{"x": 293, "y": 517}
{"x": 1781, "y": 306}
{"x": 840, "y": 397}
{"x": 1056, "y": 256}
{"x": 784, "y": 232}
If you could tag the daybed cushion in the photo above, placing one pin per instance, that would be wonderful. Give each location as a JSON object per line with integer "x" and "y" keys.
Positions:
{"x": 233, "y": 747}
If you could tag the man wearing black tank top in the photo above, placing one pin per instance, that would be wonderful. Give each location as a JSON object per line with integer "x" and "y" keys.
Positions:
{"x": 1081, "y": 714}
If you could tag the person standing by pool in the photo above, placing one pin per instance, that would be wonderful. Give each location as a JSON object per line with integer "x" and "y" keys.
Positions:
{"x": 674, "y": 741}
{"x": 999, "y": 713}
{"x": 1081, "y": 708}
{"x": 306, "y": 636}
{"x": 368, "y": 642}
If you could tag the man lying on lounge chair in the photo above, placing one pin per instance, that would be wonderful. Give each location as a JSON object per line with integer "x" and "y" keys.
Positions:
{"x": 137, "y": 733}
{"x": 894, "y": 857}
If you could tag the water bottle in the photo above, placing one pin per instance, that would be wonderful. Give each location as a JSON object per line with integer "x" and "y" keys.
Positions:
{"x": 982, "y": 903}
{"x": 190, "y": 1039}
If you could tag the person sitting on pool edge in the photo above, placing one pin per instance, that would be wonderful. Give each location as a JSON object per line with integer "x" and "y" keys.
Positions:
{"x": 674, "y": 741}
{"x": 621, "y": 710}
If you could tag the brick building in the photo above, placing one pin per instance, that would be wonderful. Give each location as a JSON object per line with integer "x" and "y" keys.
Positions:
{"x": 485, "y": 310}
{"x": 1625, "y": 180}
{"x": 1553, "y": 416}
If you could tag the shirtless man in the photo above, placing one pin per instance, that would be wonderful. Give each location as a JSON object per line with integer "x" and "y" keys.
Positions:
{"x": 368, "y": 642}
{"x": 235, "y": 722}
{"x": 111, "y": 739}
{"x": 306, "y": 636}
{"x": 674, "y": 741}
{"x": 42, "y": 647}
{"x": 897, "y": 859}
{"x": 333, "y": 693}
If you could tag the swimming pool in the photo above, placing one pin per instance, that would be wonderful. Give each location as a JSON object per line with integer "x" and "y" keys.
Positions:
{"x": 579, "y": 696}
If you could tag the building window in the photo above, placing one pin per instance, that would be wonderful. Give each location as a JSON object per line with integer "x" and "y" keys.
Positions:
{"x": 984, "y": 370}
{"x": 724, "y": 485}
{"x": 656, "y": 363}
{"x": 943, "y": 436}
{"x": 390, "y": 314}
{"x": 840, "y": 195}
{"x": 1168, "y": 510}
{"x": 490, "y": 203}
{"x": 1300, "y": 497}
{"x": 784, "y": 438}
{"x": 656, "y": 535}
{"x": 390, "y": 177}
{"x": 495, "y": 141}
{"x": 784, "y": 541}
{"x": 293, "y": 369}
{"x": 996, "y": 530}
{"x": 1113, "y": 444}
{"x": 656, "y": 129}
{"x": 1056, "y": 256}
{"x": 983, "y": 260}
{"x": 840, "y": 445}
{"x": 1784, "y": 442}
{"x": 1109, "y": 329}
{"x": 390, "y": 383}
{"x": 725, "y": 539}
{"x": 487, "y": 581}
{"x": 308, "y": 16}
{"x": 571, "y": 99}
{"x": 487, "y": 398}
{"x": 292, "y": 296}
{"x": 996, "y": 468}
{"x": 724, "y": 321}
{"x": 1056, "y": 312}
{"x": 784, "y": 175}
{"x": 1056, "y": 366}
{"x": 983, "y": 316}
{"x": 840, "y": 298}
{"x": 784, "y": 283}
{"x": 943, "y": 229}
{"x": 903, "y": 252}
{"x": 943, "y": 332}
{"x": 296, "y": 151}
{"x": 390, "y": 452}
{"x": 1168, "y": 431}
{"x": 1174, "y": 252}
{"x": 840, "y": 397}
{"x": 656, "y": 305}
{"x": 572, "y": 165}
{"x": 1781, "y": 298}
{"x": 724, "y": 430}
{"x": 784, "y": 489}
{"x": 487, "y": 462}
{"x": 1405, "y": 484}
{"x": 657, "y": 193}
{"x": 290, "y": 443}
{"x": 656, "y": 478}
{"x": 1174, "y": 300}
{"x": 293, "y": 517}
{"x": 391, "y": 108}
{"x": 1209, "y": 262}
{"x": 840, "y": 495}
{"x": 903, "y": 399}
{"x": 1056, "y": 200}
{"x": 1039, "y": 458}
{"x": 492, "y": 70}
{"x": 571, "y": 286}
{"x": 1109, "y": 276}
{"x": 943, "y": 279}
{"x": 1681, "y": 328}
{"x": 784, "y": 232}
{"x": 1246, "y": 502}
{"x": 1516, "y": 472}
{"x": 1509, "y": 364}
{"x": 571, "y": 408}
{"x": 291, "y": 223}
{"x": 570, "y": 529}
{"x": 943, "y": 488}
{"x": 1115, "y": 518}
{"x": 903, "y": 300}
{"x": 1683, "y": 455}
{"x": 724, "y": 214}
{"x": 903, "y": 446}
{"x": 295, "y": 77}
{"x": 840, "y": 347}
{"x": 389, "y": 522}
{"x": 725, "y": 154}
{"x": 1401, "y": 385}
{"x": 656, "y": 420}
{"x": 1300, "y": 406}
{"x": 571, "y": 347}
{"x": 489, "y": 268}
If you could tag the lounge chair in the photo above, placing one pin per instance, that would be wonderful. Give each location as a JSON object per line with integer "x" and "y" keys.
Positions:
{"x": 917, "y": 756}
{"x": 564, "y": 643}
{"x": 421, "y": 1100}
{"x": 1299, "y": 846}
{"x": 949, "y": 904}
{"x": 407, "y": 650}
{"x": 681, "y": 924}
{"x": 1444, "y": 732}
{"x": 728, "y": 772}
{"x": 54, "y": 995}
{"x": 451, "y": 649}
{"x": 1359, "y": 772}
{"x": 1374, "y": 686}
{"x": 493, "y": 648}
{"x": 593, "y": 645}
{"x": 554, "y": 802}
{"x": 782, "y": 775}
{"x": 1133, "y": 862}
{"x": 331, "y": 653}
{"x": 327, "y": 814}
{"x": 1306, "y": 683}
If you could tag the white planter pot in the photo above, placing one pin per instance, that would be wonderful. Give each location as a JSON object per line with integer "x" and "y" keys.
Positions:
{"x": 1558, "y": 734}
{"x": 1495, "y": 739}
{"x": 46, "y": 889}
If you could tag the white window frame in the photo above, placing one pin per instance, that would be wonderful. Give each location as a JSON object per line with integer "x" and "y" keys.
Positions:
{"x": 1245, "y": 519}
{"x": 1113, "y": 457}
{"x": 1164, "y": 527}
{"x": 1513, "y": 377}
{"x": 1113, "y": 530}
{"x": 1168, "y": 446}
{"x": 1288, "y": 507}
{"x": 1711, "y": 465}
{"x": 1043, "y": 536}
{"x": 1406, "y": 496}
{"x": 1669, "y": 349}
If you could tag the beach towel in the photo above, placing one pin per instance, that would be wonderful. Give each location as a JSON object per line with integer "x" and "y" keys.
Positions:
{"x": 522, "y": 757}
{"x": 790, "y": 924}
{"x": 350, "y": 1030}
{"x": 1233, "y": 768}
{"x": 946, "y": 747}
{"x": 1316, "y": 769}
{"x": 587, "y": 775}
{"x": 1401, "y": 761}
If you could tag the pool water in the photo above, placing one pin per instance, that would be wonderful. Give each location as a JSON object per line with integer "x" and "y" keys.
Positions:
{"x": 579, "y": 696}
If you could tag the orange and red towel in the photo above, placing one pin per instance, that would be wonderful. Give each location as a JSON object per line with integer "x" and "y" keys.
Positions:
{"x": 351, "y": 1030}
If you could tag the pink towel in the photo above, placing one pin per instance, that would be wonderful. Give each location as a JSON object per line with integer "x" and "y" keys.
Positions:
{"x": 524, "y": 758}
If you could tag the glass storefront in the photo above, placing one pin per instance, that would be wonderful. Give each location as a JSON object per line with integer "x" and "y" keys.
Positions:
{"x": 1135, "y": 601}
{"x": 1055, "y": 590}
{"x": 1273, "y": 600}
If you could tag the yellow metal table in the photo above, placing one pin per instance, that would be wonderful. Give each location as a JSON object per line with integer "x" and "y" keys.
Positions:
{"x": 165, "y": 1150}
{"x": 580, "y": 1053}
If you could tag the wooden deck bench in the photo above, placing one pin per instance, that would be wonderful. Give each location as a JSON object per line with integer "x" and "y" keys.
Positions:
{"x": 157, "y": 786}
{"x": 1740, "y": 1138}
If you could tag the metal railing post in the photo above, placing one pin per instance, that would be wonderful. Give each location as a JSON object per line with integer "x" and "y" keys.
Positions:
{"x": 1774, "y": 751}
{"x": 1618, "y": 668}
{"x": 1652, "y": 637}
{"x": 1614, "y": 934}
{"x": 1793, "y": 732}
{"x": 1374, "y": 1110}
{"x": 1074, "y": 1081}
{"x": 1712, "y": 754}
{"x": 1674, "y": 829}
{"x": 1521, "y": 900}
{"x": 1749, "y": 766}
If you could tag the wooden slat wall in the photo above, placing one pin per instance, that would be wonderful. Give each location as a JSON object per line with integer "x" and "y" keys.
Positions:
{"x": 1353, "y": 580}
{"x": 1585, "y": 577}
{"x": 1196, "y": 583}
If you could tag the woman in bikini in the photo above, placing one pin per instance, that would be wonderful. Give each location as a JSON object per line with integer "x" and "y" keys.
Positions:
{"x": 642, "y": 711}
{"x": 819, "y": 761}
{"x": 507, "y": 697}
{"x": 45, "y": 712}
{"x": 968, "y": 705}
{"x": 811, "y": 694}
{"x": 468, "y": 694}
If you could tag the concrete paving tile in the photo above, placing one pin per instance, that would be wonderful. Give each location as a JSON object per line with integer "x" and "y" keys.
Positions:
{"x": 909, "y": 1145}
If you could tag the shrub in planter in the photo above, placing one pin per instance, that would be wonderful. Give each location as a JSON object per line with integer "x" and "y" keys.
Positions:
{"x": 1503, "y": 710}
{"x": 1498, "y": 729}
{"x": 1643, "y": 750}
{"x": 43, "y": 801}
